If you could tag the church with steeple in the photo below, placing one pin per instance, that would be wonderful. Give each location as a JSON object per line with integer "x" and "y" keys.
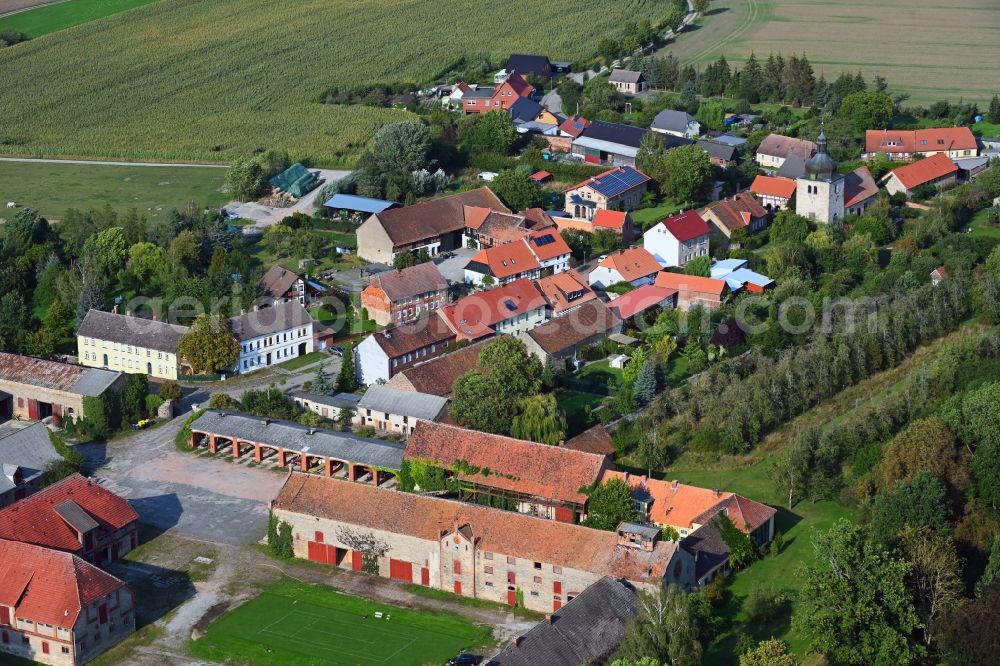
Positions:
{"x": 820, "y": 193}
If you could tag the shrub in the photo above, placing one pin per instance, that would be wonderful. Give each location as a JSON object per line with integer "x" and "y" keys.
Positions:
{"x": 764, "y": 604}
{"x": 170, "y": 391}
{"x": 153, "y": 404}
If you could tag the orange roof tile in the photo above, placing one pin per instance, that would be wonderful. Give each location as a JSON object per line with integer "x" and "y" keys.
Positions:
{"x": 496, "y": 531}
{"x": 594, "y": 440}
{"x": 474, "y": 316}
{"x": 506, "y": 260}
{"x": 683, "y": 283}
{"x": 924, "y": 171}
{"x": 632, "y": 264}
{"x": 547, "y": 244}
{"x": 537, "y": 470}
{"x": 773, "y": 186}
{"x": 565, "y": 290}
{"x": 610, "y": 219}
{"x": 639, "y": 300}
{"x": 919, "y": 141}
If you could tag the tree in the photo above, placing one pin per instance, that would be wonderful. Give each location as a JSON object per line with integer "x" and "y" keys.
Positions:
{"x": 743, "y": 551}
{"x": 146, "y": 260}
{"x": 321, "y": 382}
{"x": 701, "y": 266}
{"x": 516, "y": 189}
{"x": 569, "y": 92}
{"x": 772, "y": 652}
{"x": 170, "y": 390}
{"x": 936, "y": 578}
{"x": 347, "y": 378}
{"x": 490, "y": 397}
{"x": 971, "y": 633}
{"x": 472, "y": 408}
{"x": 868, "y": 110}
{"x": 490, "y": 132}
{"x": 701, "y": 6}
{"x": 789, "y": 227}
{"x": 926, "y": 445}
{"x": 855, "y": 600}
{"x": 922, "y": 502}
{"x": 610, "y": 504}
{"x": 993, "y": 114}
{"x": 665, "y": 629}
{"x": 403, "y": 145}
{"x": 134, "y": 394}
{"x": 599, "y": 95}
{"x": 245, "y": 178}
{"x": 540, "y": 420}
{"x": 404, "y": 259}
{"x": 223, "y": 401}
{"x": 992, "y": 572}
{"x": 689, "y": 173}
{"x": 106, "y": 251}
{"x": 209, "y": 347}
{"x": 649, "y": 159}
{"x": 645, "y": 386}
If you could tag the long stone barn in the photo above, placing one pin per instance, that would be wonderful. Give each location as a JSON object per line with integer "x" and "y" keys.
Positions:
{"x": 332, "y": 454}
{"x": 472, "y": 551}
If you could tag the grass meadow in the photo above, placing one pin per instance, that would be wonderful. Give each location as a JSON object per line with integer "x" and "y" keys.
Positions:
{"x": 929, "y": 49}
{"x": 43, "y": 20}
{"x": 298, "y": 624}
{"x": 208, "y": 80}
{"x": 154, "y": 191}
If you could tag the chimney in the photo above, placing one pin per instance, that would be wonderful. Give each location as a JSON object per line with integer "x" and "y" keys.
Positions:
{"x": 114, "y": 310}
{"x": 155, "y": 318}
{"x": 312, "y": 431}
{"x": 717, "y": 492}
{"x": 674, "y": 484}
{"x": 264, "y": 422}
{"x": 518, "y": 640}
{"x": 256, "y": 308}
{"x": 128, "y": 313}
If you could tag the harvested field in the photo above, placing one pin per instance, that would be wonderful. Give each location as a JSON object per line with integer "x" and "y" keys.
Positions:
{"x": 206, "y": 80}
{"x": 929, "y": 49}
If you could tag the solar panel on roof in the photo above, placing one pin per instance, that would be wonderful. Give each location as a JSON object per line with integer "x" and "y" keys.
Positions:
{"x": 542, "y": 241}
{"x": 511, "y": 305}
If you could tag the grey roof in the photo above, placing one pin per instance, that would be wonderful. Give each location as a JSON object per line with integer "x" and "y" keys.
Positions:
{"x": 708, "y": 549}
{"x": 27, "y": 447}
{"x": 77, "y": 518}
{"x": 266, "y": 321}
{"x": 404, "y": 403}
{"x": 485, "y": 92}
{"x": 614, "y": 133}
{"x": 718, "y": 150}
{"x": 625, "y": 76}
{"x": 651, "y": 531}
{"x": 675, "y": 121}
{"x": 969, "y": 163}
{"x": 730, "y": 140}
{"x": 793, "y": 167}
{"x": 340, "y": 401}
{"x": 413, "y": 281}
{"x": 586, "y": 630}
{"x": 67, "y": 377}
{"x": 135, "y": 331}
{"x": 344, "y": 446}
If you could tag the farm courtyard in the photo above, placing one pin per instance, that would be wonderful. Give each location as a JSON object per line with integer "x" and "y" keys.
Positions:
{"x": 919, "y": 46}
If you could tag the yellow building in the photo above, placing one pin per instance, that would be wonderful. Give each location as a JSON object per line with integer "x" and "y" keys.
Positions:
{"x": 129, "y": 344}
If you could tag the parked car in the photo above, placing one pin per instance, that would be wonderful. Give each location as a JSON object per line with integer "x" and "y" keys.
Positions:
{"x": 464, "y": 659}
{"x": 337, "y": 351}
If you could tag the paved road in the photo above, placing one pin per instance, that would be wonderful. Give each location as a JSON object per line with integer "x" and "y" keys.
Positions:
{"x": 552, "y": 101}
{"x": 104, "y": 163}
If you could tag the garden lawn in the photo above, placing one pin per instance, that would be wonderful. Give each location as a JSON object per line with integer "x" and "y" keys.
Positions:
{"x": 303, "y": 361}
{"x": 297, "y": 624}
{"x": 52, "y": 189}
{"x": 644, "y": 218}
{"x": 574, "y": 404}
{"x": 43, "y": 20}
{"x": 980, "y": 226}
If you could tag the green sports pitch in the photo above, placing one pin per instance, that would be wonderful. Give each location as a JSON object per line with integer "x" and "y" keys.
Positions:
{"x": 294, "y": 623}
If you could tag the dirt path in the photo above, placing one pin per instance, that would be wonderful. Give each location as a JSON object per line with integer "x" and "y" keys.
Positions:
{"x": 39, "y": 160}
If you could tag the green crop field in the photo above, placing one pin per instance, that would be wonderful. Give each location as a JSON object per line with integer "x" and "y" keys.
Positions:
{"x": 206, "y": 80}
{"x": 294, "y": 623}
{"x": 930, "y": 49}
{"x": 51, "y": 18}
{"x": 154, "y": 191}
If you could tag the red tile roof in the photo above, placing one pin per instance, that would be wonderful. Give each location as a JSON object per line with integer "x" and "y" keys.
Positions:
{"x": 438, "y": 375}
{"x": 639, "y": 300}
{"x": 537, "y": 219}
{"x": 565, "y": 290}
{"x": 773, "y": 186}
{"x": 737, "y": 211}
{"x": 924, "y": 171}
{"x": 589, "y": 320}
{"x": 537, "y": 470}
{"x": 574, "y": 126}
{"x": 920, "y": 141}
{"x": 494, "y": 530}
{"x": 506, "y": 260}
{"x": 49, "y": 586}
{"x": 547, "y": 244}
{"x": 540, "y": 176}
{"x": 682, "y": 283}
{"x": 595, "y": 440}
{"x": 36, "y": 520}
{"x": 632, "y": 264}
{"x": 686, "y": 226}
{"x": 474, "y": 316}
{"x": 519, "y": 84}
{"x": 610, "y": 219}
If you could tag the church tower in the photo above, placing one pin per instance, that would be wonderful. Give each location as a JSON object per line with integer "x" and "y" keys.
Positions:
{"x": 819, "y": 194}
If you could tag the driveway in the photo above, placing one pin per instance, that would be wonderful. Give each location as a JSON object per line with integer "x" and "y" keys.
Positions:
{"x": 265, "y": 216}
{"x": 453, "y": 268}
{"x": 356, "y": 279}
{"x": 174, "y": 491}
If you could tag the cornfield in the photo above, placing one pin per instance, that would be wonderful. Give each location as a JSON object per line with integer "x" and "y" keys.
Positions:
{"x": 212, "y": 79}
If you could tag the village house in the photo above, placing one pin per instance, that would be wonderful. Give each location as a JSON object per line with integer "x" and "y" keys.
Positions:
{"x": 676, "y": 123}
{"x": 397, "y": 297}
{"x": 485, "y": 227}
{"x": 327, "y": 406}
{"x": 437, "y": 376}
{"x": 617, "y": 221}
{"x": 676, "y": 240}
{"x": 628, "y": 82}
{"x": 294, "y": 446}
{"x": 502, "y": 264}
{"x": 741, "y": 211}
{"x": 593, "y": 440}
{"x": 26, "y": 453}
{"x": 470, "y": 550}
{"x": 721, "y": 155}
{"x": 269, "y": 336}
{"x": 385, "y": 353}
{"x": 710, "y": 552}
{"x": 738, "y": 277}
{"x": 395, "y": 411}
{"x": 694, "y": 290}
{"x": 282, "y": 285}
{"x": 613, "y": 144}
{"x": 618, "y": 189}
{"x": 561, "y": 338}
{"x": 585, "y": 631}
{"x": 574, "y": 126}
{"x": 129, "y": 344}
{"x": 937, "y": 171}
{"x": 56, "y": 608}
{"x": 511, "y": 308}
{"x": 538, "y": 479}
{"x": 687, "y": 508}
{"x": 75, "y": 515}
{"x": 635, "y": 266}
{"x": 550, "y": 250}
{"x": 437, "y": 226}
{"x": 36, "y": 389}
{"x": 774, "y": 192}
{"x": 481, "y": 99}
{"x": 938, "y": 275}
{"x": 565, "y": 292}
{"x": 535, "y": 65}
{"x": 905, "y": 145}
{"x": 776, "y": 148}
{"x": 860, "y": 191}
{"x": 642, "y": 299}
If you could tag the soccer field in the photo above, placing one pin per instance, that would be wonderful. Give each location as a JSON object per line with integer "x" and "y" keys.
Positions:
{"x": 294, "y": 623}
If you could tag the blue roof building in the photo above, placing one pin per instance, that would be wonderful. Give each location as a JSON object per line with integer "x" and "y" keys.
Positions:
{"x": 738, "y": 276}
{"x": 358, "y": 204}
